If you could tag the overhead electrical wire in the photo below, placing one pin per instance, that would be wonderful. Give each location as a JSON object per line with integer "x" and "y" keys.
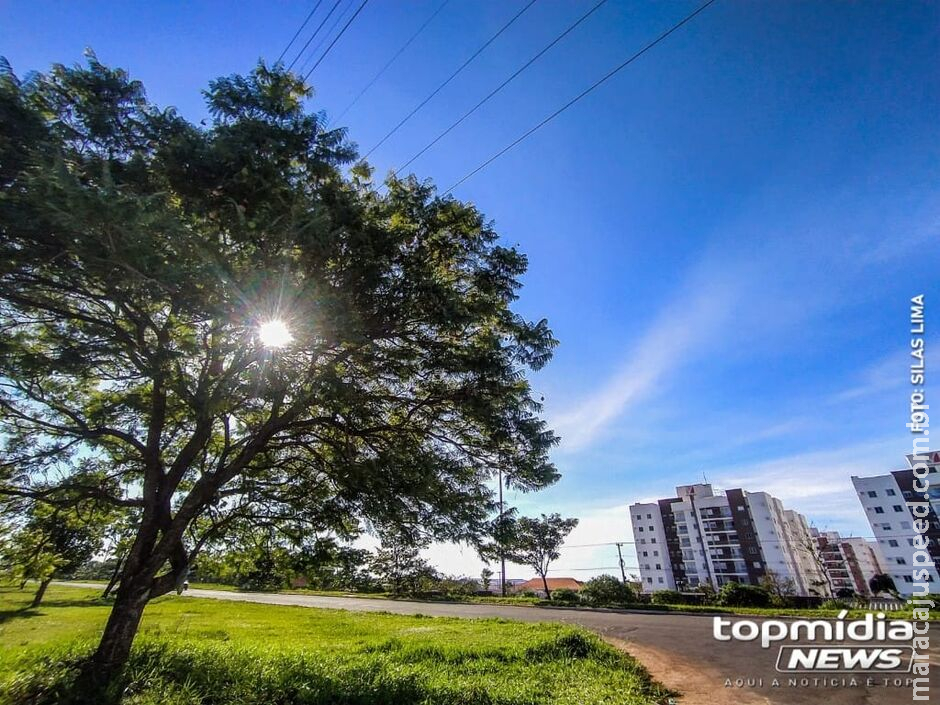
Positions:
{"x": 313, "y": 36}
{"x": 336, "y": 39}
{"x": 299, "y": 30}
{"x": 391, "y": 61}
{"x": 502, "y": 85}
{"x": 451, "y": 77}
{"x": 584, "y": 93}
{"x": 314, "y": 51}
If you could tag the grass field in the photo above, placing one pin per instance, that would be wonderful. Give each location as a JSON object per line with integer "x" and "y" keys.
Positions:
{"x": 201, "y": 651}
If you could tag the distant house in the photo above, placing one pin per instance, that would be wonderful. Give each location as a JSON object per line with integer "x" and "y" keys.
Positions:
{"x": 537, "y": 586}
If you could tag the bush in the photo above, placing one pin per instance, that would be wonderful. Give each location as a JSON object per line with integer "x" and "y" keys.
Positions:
{"x": 666, "y": 597}
{"x": 738, "y": 595}
{"x": 835, "y": 605}
{"x": 565, "y": 595}
{"x": 607, "y": 590}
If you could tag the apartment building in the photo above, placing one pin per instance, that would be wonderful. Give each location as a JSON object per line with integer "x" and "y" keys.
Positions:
{"x": 850, "y": 562}
{"x": 704, "y": 537}
{"x": 885, "y": 501}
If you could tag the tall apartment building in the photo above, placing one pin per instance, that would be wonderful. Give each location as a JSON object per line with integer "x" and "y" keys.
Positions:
{"x": 884, "y": 499}
{"x": 850, "y": 562}
{"x": 703, "y": 537}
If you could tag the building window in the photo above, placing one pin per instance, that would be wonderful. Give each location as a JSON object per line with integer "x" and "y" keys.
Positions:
{"x": 640, "y": 529}
{"x": 652, "y": 540}
{"x": 890, "y": 493}
{"x": 886, "y": 527}
{"x": 905, "y": 525}
{"x": 659, "y": 566}
{"x": 872, "y": 494}
{"x": 649, "y": 516}
{"x": 879, "y": 510}
{"x": 898, "y": 508}
{"x": 649, "y": 580}
{"x": 900, "y": 561}
{"x": 892, "y": 543}
{"x": 655, "y": 553}
{"x": 652, "y": 528}
{"x": 660, "y": 580}
{"x": 646, "y": 553}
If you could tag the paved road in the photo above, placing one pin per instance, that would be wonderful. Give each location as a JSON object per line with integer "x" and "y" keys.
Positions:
{"x": 679, "y": 650}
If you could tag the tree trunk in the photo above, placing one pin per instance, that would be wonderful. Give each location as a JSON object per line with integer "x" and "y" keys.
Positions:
{"x": 114, "y": 577}
{"x": 37, "y": 599}
{"x": 114, "y": 649}
{"x": 548, "y": 594}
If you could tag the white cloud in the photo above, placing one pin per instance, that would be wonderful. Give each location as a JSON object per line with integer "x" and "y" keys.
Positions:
{"x": 675, "y": 339}
{"x": 818, "y": 484}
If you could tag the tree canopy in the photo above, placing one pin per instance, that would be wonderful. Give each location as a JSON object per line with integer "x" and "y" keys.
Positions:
{"x": 139, "y": 256}
{"x": 536, "y": 542}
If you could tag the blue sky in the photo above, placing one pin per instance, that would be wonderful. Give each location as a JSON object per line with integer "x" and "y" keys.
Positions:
{"x": 724, "y": 237}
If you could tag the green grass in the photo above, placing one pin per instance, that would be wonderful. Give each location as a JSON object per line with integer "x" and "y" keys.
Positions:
{"x": 193, "y": 650}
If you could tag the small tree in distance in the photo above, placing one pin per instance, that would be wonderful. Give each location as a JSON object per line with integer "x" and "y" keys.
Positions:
{"x": 486, "y": 578}
{"x": 537, "y": 542}
{"x": 398, "y": 564}
{"x": 52, "y": 543}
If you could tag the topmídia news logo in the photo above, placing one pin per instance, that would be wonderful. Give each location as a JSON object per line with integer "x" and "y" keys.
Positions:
{"x": 872, "y": 644}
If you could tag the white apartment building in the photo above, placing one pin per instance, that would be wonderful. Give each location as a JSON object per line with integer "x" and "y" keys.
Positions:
{"x": 701, "y": 536}
{"x": 885, "y": 501}
{"x": 851, "y": 562}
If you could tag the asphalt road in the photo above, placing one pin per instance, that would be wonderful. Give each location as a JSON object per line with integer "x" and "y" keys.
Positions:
{"x": 679, "y": 650}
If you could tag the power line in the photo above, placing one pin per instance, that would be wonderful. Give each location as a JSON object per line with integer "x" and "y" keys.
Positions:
{"x": 502, "y": 85}
{"x": 299, "y": 30}
{"x": 452, "y": 77}
{"x": 584, "y": 93}
{"x": 390, "y": 62}
{"x": 340, "y": 17}
{"x": 336, "y": 39}
{"x": 315, "y": 33}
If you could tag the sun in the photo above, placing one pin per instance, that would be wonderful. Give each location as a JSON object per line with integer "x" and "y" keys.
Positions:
{"x": 274, "y": 334}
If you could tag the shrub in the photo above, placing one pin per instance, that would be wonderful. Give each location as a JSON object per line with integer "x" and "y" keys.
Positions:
{"x": 666, "y": 597}
{"x": 738, "y": 595}
{"x": 835, "y": 605}
{"x": 607, "y": 590}
{"x": 565, "y": 595}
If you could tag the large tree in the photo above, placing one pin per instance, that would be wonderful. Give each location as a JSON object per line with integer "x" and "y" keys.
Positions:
{"x": 142, "y": 260}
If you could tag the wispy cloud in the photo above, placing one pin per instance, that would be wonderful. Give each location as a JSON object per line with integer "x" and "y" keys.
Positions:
{"x": 886, "y": 374}
{"x": 675, "y": 339}
{"x": 819, "y": 483}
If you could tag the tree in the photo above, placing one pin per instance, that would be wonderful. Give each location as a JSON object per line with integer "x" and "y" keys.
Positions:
{"x": 607, "y": 590}
{"x": 883, "y": 583}
{"x": 740, "y": 595}
{"x": 53, "y": 542}
{"x": 486, "y": 578}
{"x": 141, "y": 259}
{"x": 399, "y": 566}
{"x": 537, "y": 542}
{"x": 780, "y": 589}
{"x": 815, "y": 552}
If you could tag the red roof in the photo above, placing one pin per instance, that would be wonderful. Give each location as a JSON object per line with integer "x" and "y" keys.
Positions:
{"x": 553, "y": 584}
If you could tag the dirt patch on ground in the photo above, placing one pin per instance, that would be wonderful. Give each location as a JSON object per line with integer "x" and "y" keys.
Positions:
{"x": 696, "y": 685}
